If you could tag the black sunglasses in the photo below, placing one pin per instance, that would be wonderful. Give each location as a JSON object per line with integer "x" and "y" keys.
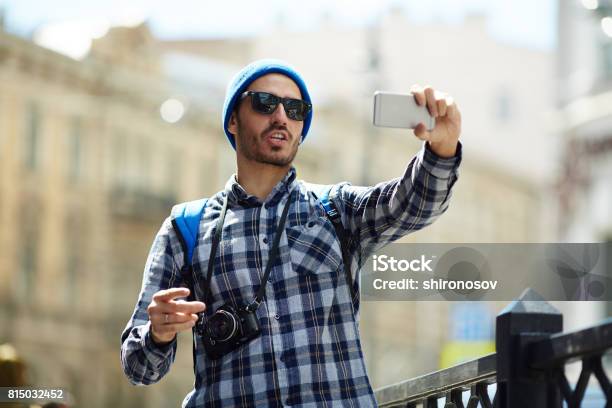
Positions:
{"x": 266, "y": 103}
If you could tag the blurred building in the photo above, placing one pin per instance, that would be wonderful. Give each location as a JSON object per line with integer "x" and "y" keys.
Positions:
{"x": 584, "y": 100}
{"x": 584, "y": 125}
{"x": 88, "y": 171}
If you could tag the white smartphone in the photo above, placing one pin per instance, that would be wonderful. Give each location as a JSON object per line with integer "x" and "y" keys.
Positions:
{"x": 400, "y": 111}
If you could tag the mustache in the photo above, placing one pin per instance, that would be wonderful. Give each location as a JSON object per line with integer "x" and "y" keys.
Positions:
{"x": 278, "y": 127}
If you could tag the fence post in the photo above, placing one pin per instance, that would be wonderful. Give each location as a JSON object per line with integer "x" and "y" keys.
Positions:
{"x": 523, "y": 321}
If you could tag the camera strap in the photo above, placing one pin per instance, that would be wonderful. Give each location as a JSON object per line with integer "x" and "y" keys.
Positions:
{"x": 213, "y": 249}
{"x": 271, "y": 260}
{"x": 273, "y": 255}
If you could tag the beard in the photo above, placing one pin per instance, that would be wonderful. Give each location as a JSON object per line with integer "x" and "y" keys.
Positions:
{"x": 251, "y": 146}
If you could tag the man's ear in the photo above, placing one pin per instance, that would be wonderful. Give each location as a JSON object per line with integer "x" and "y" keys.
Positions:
{"x": 232, "y": 125}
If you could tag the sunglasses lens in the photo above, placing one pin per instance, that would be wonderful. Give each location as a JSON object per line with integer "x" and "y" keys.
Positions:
{"x": 264, "y": 102}
{"x": 296, "y": 109}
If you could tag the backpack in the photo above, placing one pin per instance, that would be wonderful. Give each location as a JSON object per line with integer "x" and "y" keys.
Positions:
{"x": 186, "y": 221}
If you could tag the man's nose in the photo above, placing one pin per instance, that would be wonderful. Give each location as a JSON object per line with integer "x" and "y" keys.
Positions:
{"x": 279, "y": 115}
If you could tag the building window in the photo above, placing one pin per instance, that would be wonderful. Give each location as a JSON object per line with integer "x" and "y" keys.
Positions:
{"x": 32, "y": 136}
{"x": 72, "y": 267}
{"x": 607, "y": 60}
{"x": 74, "y": 249}
{"x": 2, "y": 137}
{"x": 173, "y": 171}
{"x": 29, "y": 246}
{"x": 504, "y": 106}
{"x": 75, "y": 151}
{"x": 206, "y": 176}
{"x": 120, "y": 160}
{"x": 144, "y": 164}
{"x": 29, "y": 249}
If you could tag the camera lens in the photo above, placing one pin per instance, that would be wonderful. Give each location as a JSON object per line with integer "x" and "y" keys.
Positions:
{"x": 222, "y": 326}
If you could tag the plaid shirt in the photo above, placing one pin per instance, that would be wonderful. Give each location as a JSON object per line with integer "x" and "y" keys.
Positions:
{"x": 309, "y": 353}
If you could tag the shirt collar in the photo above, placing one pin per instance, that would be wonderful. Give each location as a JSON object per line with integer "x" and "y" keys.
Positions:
{"x": 238, "y": 195}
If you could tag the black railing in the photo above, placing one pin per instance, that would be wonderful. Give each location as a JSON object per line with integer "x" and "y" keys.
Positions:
{"x": 528, "y": 369}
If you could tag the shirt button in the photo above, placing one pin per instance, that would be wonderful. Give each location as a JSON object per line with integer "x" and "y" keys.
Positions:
{"x": 265, "y": 240}
{"x": 311, "y": 224}
{"x": 277, "y": 317}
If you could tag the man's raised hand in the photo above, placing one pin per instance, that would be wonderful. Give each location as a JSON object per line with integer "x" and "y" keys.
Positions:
{"x": 169, "y": 315}
{"x": 443, "y": 138}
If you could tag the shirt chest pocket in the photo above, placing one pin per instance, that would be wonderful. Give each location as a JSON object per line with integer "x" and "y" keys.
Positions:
{"x": 314, "y": 248}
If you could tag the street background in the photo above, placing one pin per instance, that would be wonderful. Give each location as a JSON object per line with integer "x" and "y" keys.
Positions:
{"x": 110, "y": 112}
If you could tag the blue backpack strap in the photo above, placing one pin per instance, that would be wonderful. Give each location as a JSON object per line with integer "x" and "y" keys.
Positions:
{"x": 334, "y": 216}
{"x": 186, "y": 221}
{"x": 330, "y": 207}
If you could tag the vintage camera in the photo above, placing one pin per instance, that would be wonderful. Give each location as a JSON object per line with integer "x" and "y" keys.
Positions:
{"x": 227, "y": 329}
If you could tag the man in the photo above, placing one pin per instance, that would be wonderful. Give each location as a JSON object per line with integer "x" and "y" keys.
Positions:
{"x": 308, "y": 351}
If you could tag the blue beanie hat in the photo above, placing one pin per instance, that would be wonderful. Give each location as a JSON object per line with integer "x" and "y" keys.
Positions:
{"x": 250, "y": 73}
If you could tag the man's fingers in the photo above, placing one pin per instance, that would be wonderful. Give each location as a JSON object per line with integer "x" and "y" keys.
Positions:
{"x": 441, "y": 107}
{"x": 172, "y": 318}
{"x": 452, "y": 110}
{"x": 419, "y": 95}
{"x": 180, "y": 306}
{"x": 437, "y": 102}
{"x": 163, "y": 324}
{"x": 167, "y": 295}
{"x": 421, "y": 132}
{"x": 431, "y": 101}
{"x": 174, "y": 328}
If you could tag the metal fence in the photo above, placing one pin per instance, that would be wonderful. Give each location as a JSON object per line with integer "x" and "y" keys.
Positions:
{"x": 527, "y": 370}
